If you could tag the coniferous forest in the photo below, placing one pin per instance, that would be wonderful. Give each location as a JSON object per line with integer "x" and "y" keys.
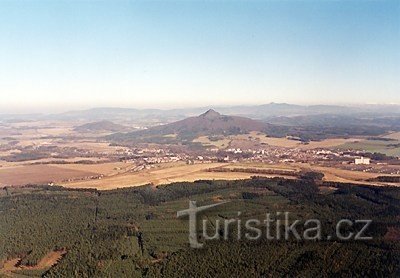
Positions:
{"x": 135, "y": 232}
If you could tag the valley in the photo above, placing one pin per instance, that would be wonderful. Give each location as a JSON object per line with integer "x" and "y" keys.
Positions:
{"x": 105, "y": 155}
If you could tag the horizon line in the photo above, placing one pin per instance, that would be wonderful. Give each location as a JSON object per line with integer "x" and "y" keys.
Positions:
{"x": 51, "y": 109}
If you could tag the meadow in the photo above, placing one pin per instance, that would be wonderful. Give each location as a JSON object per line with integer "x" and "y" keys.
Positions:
{"x": 388, "y": 147}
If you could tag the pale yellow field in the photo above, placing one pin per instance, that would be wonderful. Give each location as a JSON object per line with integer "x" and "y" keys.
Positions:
{"x": 179, "y": 172}
{"x": 327, "y": 143}
{"x": 29, "y": 141}
{"x": 278, "y": 142}
{"x": 92, "y": 146}
{"x": 395, "y": 135}
{"x": 162, "y": 174}
{"x": 38, "y": 174}
{"x": 55, "y": 131}
{"x": 45, "y": 173}
{"x": 216, "y": 176}
{"x": 259, "y": 165}
{"x": 10, "y": 152}
{"x": 67, "y": 160}
{"x": 218, "y": 144}
{"x": 341, "y": 175}
{"x": 106, "y": 169}
{"x": 33, "y": 135}
{"x": 257, "y": 137}
{"x": 170, "y": 135}
{"x": 331, "y": 174}
{"x": 99, "y": 161}
{"x": 284, "y": 142}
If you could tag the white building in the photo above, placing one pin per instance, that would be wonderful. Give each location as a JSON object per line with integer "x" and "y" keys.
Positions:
{"x": 362, "y": 161}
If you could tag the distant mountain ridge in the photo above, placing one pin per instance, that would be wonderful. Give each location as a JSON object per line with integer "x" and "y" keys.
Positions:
{"x": 254, "y": 111}
{"x": 107, "y": 126}
{"x": 157, "y": 116}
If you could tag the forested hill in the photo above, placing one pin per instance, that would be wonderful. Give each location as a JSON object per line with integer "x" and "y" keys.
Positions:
{"x": 208, "y": 123}
{"x": 101, "y": 126}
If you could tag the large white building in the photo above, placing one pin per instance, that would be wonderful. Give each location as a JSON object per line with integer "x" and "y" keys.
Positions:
{"x": 362, "y": 161}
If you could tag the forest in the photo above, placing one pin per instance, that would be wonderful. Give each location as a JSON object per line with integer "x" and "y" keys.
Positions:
{"x": 134, "y": 232}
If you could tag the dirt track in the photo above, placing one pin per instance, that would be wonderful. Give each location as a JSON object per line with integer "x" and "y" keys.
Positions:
{"x": 48, "y": 261}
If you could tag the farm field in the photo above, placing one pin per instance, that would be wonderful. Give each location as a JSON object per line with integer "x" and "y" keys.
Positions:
{"x": 119, "y": 174}
{"x": 330, "y": 173}
{"x": 342, "y": 175}
{"x": 164, "y": 174}
{"x": 205, "y": 141}
{"x": 391, "y": 148}
{"x": 394, "y": 135}
{"x": 56, "y": 173}
{"x": 180, "y": 172}
{"x": 106, "y": 169}
{"x": 71, "y": 160}
{"x": 38, "y": 174}
{"x": 161, "y": 174}
{"x": 259, "y": 138}
{"x": 92, "y": 145}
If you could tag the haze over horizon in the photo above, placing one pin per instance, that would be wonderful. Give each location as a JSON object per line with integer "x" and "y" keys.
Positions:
{"x": 59, "y": 56}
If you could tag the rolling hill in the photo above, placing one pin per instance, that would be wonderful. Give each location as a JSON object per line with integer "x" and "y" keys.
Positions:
{"x": 308, "y": 128}
{"x": 101, "y": 126}
{"x": 210, "y": 123}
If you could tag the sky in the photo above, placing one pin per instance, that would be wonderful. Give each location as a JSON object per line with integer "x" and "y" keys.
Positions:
{"x": 58, "y": 55}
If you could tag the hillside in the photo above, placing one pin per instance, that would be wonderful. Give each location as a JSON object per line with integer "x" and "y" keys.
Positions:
{"x": 206, "y": 124}
{"x": 308, "y": 128}
{"x": 101, "y": 126}
{"x": 211, "y": 123}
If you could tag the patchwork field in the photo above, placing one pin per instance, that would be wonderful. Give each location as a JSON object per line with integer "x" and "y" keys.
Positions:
{"x": 106, "y": 169}
{"x": 161, "y": 174}
{"x": 391, "y": 148}
{"x": 180, "y": 172}
{"x": 111, "y": 175}
{"x": 46, "y": 173}
{"x": 38, "y": 174}
{"x": 101, "y": 147}
{"x": 254, "y": 138}
{"x": 330, "y": 173}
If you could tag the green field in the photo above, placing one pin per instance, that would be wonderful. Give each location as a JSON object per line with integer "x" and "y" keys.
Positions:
{"x": 134, "y": 232}
{"x": 391, "y": 148}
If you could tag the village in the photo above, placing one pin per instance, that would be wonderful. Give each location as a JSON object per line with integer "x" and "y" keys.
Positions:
{"x": 348, "y": 159}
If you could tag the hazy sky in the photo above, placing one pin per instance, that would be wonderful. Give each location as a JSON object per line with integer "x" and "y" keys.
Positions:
{"x": 172, "y": 54}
